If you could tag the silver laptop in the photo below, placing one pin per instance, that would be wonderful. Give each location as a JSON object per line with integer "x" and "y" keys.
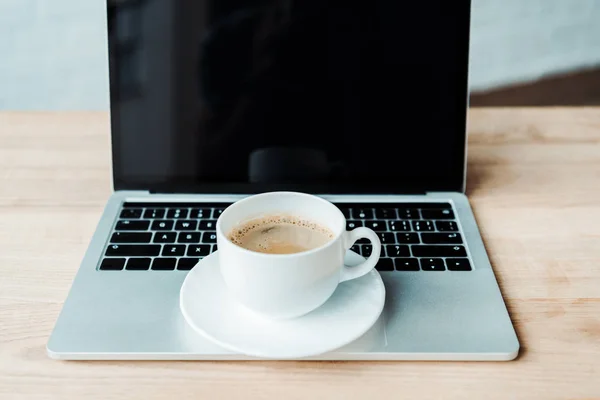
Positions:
{"x": 363, "y": 103}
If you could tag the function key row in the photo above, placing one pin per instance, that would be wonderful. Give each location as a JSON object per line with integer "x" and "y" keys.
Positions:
{"x": 351, "y": 211}
{"x": 423, "y": 264}
{"x": 176, "y": 204}
{"x": 404, "y": 226}
{"x": 171, "y": 213}
{"x": 146, "y": 263}
{"x": 419, "y": 205}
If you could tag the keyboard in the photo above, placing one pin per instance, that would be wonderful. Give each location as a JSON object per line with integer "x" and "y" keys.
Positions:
{"x": 175, "y": 236}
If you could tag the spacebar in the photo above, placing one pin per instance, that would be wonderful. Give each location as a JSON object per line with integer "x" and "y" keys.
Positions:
{"x": 131, "y": 250}
{"x": 438, "y": 251}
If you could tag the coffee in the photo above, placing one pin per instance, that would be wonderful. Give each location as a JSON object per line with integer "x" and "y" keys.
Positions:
{"x": 280, "y": 234}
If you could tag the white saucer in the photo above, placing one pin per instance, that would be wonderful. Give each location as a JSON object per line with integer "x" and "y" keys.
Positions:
{"x": 347, "y": 315}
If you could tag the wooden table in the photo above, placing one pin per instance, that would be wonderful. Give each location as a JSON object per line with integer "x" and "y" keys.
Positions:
{"x": 534, "y": 182}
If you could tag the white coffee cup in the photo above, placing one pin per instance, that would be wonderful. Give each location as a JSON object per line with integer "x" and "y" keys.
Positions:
{"x": 289, "y": 285}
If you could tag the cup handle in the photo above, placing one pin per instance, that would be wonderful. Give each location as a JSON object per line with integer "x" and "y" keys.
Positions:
{"x": 364, "y": 268}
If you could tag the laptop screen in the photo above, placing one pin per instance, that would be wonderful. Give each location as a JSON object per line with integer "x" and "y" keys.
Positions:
{"x": 315, "y": 95}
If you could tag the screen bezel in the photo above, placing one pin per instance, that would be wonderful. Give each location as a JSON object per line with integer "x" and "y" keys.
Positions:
{"x": 453, "y": 180}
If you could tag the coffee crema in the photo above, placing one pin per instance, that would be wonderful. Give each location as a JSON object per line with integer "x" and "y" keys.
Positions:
{"x": 280, "y": 234}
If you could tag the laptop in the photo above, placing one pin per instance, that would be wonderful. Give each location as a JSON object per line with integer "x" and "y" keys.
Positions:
{"x": 362, "y": 103}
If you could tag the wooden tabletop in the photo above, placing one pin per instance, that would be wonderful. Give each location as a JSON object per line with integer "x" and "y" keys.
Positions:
{"x": 533, "y": 181}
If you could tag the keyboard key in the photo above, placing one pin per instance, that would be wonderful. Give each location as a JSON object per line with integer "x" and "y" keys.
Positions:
{"x": 385, "y": 264}
{"x": 366, "y": 250}
{"x": 407, "y": 264}
{"x": 192, "y": 237}
{"x": 353, "y": 224}
{"x": 387, "y": 237}
{"x": 441, "y": 238}
{"x": 200, "y": 213}
{"x": 186, "y": 264}
{"x": 395, "y": 250}
{"x": 177, "y": 213}
{"x": 165, "y": 237}
{"x": 173, "y": 250}
{"x": 217, "y": 212}
{"x": 432, "y": 264}
{"x": 346, "y": 212}
{"x": 385, "y": 213}
{"x": 164, "y": 264}
{"x": 132, "y": 225}
{"x": 209, "y": 237}
{"x": 138, "y": 264}
{"x": 162, "y": 225}
{"x": 409, "y": 238}
{"x": 154, "y": 213}
{"x": 131, "y": 213}
{"x": 131, "y": 237}
{"x": 408, "y": 213}
{"x": 446, "y": 226}
{"x": 422, "y": 225}
{"x": 112, "y": 264}
{"x": 133, "y": 250}
{"x": 438, "y": 251}
{"x": 458, "y": 264}
{"x": 200, "y": 250}
{"x": 437, "y": 214}
{"x": 398, "y": 226}
{"x": 209, "y": 225}
{"x": 362, "y": 213}
{"x": 377, "y": 226}
{"x": 214, "y": 248}
{"x": 185, "y": 225}
{"x": 355, "y": 248}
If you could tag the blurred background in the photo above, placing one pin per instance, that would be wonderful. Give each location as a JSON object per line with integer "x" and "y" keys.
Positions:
{"x": 53, "y": 53}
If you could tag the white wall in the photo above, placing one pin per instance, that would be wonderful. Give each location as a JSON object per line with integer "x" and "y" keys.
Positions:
{"x": 521, "y": 40}
{"x": 53, "y": 52}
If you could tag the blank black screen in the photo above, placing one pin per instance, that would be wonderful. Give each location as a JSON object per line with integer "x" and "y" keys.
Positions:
{"x": 326, "y": 96}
